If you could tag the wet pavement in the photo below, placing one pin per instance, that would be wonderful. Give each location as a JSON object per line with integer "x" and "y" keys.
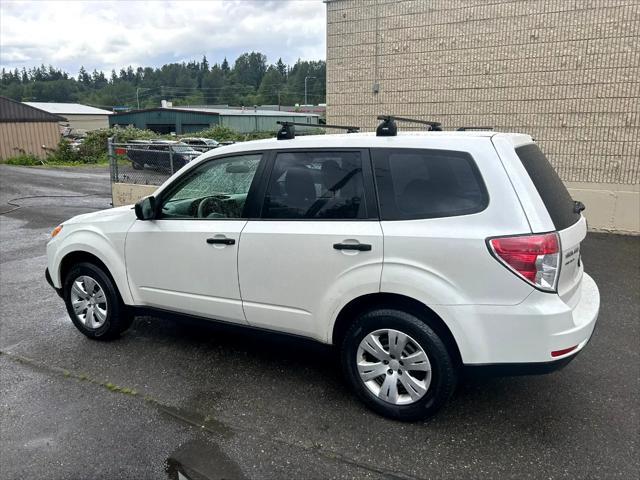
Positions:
{"x": 218, "y": 402}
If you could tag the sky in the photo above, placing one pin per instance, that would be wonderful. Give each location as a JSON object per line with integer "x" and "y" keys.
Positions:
{"x": 107, "y": 35}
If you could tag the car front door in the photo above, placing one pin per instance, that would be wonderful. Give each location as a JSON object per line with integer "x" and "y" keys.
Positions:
{"x": 186, "y": 259}
{"x": 318, "y": 241}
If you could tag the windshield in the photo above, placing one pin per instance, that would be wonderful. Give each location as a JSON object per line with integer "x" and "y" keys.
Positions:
{"x": 183, "y": 149}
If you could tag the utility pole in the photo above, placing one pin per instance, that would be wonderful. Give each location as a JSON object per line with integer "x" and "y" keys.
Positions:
{"x": 137, "y": 98}
{"x": 305, "y": 88}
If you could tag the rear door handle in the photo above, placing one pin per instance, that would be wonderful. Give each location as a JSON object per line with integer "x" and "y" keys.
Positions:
{"x": 361, "y": 247}
{"x": 221, "y": 241}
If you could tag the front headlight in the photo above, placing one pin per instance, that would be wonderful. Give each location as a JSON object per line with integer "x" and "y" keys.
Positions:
{"x": 56, "y": 231}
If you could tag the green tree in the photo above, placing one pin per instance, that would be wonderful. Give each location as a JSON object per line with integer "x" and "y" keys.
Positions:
{"x": 271, "y": 86}
{"x": 249, "y": 82}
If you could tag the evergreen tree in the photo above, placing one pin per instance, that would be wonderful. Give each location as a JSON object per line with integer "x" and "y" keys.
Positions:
{"x": 282, "y": 68}
{"x": 250, "y": 81}
{"x": 83, "y": 77}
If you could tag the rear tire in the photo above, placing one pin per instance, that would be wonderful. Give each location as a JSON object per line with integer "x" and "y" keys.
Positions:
{"x": 94, "y": 304}
{"x": 397, "y": 365}
{"x": 136, "y": 166}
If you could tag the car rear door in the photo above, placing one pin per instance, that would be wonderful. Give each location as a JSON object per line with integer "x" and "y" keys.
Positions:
{"x": 186, "y": 259}
{"x": 318, "y": 241}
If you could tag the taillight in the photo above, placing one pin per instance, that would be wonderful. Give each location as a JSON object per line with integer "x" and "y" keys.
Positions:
{"x": 120, "y": 151}
{"x": 535, "y": 258}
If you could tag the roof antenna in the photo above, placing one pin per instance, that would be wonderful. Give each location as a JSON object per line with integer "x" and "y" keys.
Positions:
{"x": 287, "y": 132}
{"x": 387, "y": 128}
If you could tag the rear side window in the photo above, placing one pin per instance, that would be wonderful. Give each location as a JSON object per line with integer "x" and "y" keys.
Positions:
{"x": 420, "y": 183}
{"x": 316, "y": 185}
{"x": 553, "y": 193}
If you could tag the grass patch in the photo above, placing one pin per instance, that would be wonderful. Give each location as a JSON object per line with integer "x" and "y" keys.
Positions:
{"x": 27, "y": 160}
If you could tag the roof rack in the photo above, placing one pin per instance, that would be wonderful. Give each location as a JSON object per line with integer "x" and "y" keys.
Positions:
{"x": 388, "y": 127}
{"x": 288, "y": 131}
{"x": 464, "y": 129}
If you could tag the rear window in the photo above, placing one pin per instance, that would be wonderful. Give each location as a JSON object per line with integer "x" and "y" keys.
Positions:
{"x": 553, "y": 193}
{"x": 420, "y": 183}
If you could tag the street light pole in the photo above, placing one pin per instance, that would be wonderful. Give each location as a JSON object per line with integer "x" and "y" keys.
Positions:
{"x": 305, "y": 88}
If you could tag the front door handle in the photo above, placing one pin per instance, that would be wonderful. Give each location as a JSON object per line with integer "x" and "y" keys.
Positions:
{"x": 361, "y": 247}
{"x": 221, "y": 241}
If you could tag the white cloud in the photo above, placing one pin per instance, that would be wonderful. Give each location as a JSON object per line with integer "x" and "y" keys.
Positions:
{"x": 112, "y": 35}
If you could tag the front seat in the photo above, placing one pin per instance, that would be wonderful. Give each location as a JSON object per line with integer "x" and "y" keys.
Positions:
{"x": 300, "y": 189}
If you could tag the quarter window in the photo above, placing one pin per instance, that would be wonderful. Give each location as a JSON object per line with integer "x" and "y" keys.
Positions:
{"x": 315, "y": 185}
{"x": 415, "y": 184}
{"x": 215, "y": 189}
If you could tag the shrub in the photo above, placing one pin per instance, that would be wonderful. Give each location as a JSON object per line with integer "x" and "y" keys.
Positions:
{"x": 64, "y": 153}
{"x": 94, "y": 147}
{"x": 222, "y": 133}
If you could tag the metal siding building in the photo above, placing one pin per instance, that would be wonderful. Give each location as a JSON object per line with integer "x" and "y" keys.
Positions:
{"x": 191, "y": 120}
{"x": 26, "y": 130}
{"x": 77, "y": 116}
{"x": 567, "y": 73}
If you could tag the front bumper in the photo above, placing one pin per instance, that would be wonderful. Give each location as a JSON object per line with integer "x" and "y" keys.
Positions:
{"x": 47, "y": 276}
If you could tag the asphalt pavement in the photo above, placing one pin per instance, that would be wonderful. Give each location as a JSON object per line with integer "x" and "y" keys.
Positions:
{"x": 221, "y": 403}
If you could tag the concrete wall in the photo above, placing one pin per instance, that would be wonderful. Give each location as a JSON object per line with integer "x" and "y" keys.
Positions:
{"x": 566, "y": 72}
{"x": 28, "y": 137}
{"x": 610, "y": 207}
{"x": 128, "y": 193}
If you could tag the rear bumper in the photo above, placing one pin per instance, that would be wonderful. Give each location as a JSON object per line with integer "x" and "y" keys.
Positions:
{"x": 517, "y": 369}
{"x": 522, "y": 337}
{"x": 47, "y": 276}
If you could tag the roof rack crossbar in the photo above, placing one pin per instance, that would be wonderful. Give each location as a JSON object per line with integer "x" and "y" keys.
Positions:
{"x": 464, "y": 129}
{"x": 435, "y": 126}
{"x": 388, "y": 127}
{"x": 287, "y": 131}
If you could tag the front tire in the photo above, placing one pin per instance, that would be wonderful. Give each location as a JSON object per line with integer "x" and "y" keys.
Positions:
{"x": 93, "y": 303}
{"x": 397, "y": 365}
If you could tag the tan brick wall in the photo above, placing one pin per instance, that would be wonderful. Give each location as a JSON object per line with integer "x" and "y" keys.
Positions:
{"x": 565, "y": 71}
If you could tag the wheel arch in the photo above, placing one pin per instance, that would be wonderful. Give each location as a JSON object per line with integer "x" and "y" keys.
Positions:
{"x": 81, "y": 256}
{"x": 364, "y": 303}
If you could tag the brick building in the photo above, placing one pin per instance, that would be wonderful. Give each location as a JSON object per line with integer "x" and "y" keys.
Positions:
{"x": 565, "y": 71}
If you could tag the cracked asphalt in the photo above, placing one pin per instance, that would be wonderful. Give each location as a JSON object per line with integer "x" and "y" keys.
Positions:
{"x": 223, "y": 403}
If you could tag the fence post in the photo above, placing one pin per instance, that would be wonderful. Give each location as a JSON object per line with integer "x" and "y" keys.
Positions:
{"x": 171, "y": 158}
{"x": 113, "y": 164}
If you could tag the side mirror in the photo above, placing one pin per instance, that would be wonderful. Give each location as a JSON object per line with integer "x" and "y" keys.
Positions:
{"x": 146, "y": 208}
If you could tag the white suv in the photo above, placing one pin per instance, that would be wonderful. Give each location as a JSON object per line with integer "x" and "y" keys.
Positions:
{"x": 417, "y": 255}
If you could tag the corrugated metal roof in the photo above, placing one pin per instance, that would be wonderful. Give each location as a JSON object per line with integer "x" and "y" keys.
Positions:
{"x": 13, "y": 111}
{"x": 68, "y": 108}
{"x": 222, "y": 112}
{"x": 247, "y": 111}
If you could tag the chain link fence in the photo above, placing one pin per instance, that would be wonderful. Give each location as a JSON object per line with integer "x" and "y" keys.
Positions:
{"x": 150, "y": 162}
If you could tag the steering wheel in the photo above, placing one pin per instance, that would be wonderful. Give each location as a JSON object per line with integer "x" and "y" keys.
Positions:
{"x": 206, "y": 204}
